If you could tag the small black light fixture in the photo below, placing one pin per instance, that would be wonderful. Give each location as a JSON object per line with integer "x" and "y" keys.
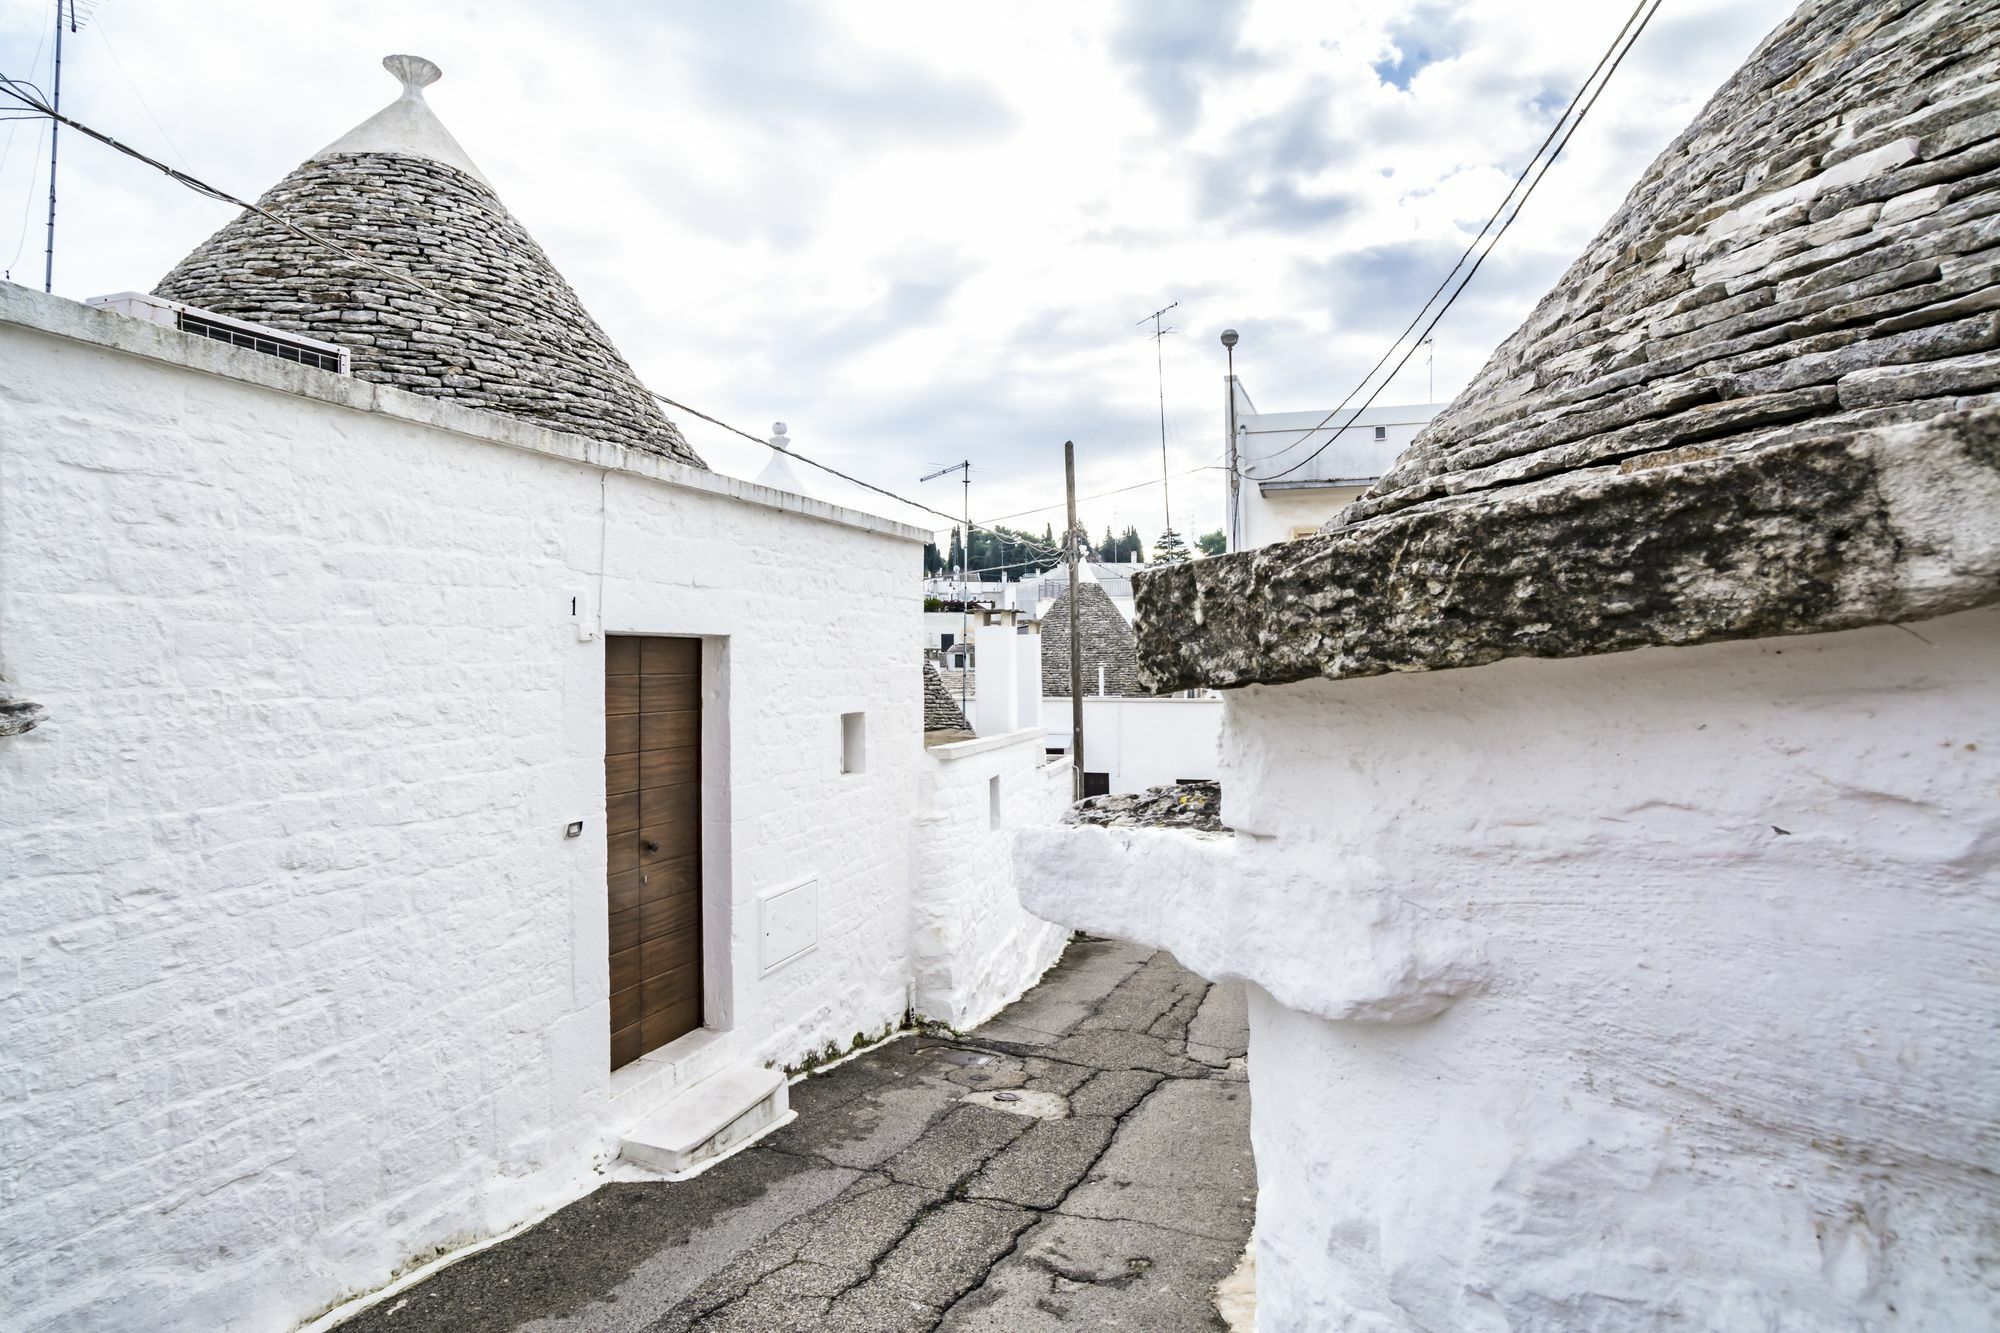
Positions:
{"x": 575, "y": 829}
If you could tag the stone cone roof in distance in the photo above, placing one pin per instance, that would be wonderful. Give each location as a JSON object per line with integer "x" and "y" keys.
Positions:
{"x": 1764, "y": 401}
{"x": 1105, "y": 638}
{"x": 511, "y": 336}
{"x": 941, "y": 710}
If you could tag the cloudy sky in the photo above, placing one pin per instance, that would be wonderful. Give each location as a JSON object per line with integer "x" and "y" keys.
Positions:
{"x": 925, "y": 232}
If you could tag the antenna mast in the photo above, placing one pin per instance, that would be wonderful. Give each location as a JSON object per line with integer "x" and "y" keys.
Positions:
{"x": 1160, "y": 373}
{"x": 55, "y": 129}
{"x": 964, "y": 576}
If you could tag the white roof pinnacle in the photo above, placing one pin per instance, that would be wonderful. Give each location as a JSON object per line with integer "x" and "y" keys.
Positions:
{"x": 778, "y": 472}
{"x": 407, "y": 126}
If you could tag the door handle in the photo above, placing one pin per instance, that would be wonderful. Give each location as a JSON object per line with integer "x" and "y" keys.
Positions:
{"x": 649, "y": 847}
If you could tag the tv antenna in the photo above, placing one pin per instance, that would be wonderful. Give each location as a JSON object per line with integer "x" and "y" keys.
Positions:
{"x": 55, "y": 130}
{"x": 1160, "y": 373}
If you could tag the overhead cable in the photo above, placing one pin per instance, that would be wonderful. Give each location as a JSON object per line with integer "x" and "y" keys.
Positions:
{"x": 1615, "y": 56}
{"x": 30, "y": 97}
{"x": 1136, "y": 486}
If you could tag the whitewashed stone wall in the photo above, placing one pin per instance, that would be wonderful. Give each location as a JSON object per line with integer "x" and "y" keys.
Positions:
{"x": 302, "y": 981}
{"x": 1650, "y": 990}
{"x": 974, "y": 946}
{"x": 1144, "y": 743}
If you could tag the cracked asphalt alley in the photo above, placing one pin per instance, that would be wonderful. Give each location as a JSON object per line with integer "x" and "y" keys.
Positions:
{"x": 893, "y": 1203}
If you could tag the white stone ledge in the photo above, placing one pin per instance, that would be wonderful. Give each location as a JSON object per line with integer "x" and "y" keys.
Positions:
{"x": 985, "y": 744}
{"x": 60, "y": 317}
{"x": 1325, "y": 942}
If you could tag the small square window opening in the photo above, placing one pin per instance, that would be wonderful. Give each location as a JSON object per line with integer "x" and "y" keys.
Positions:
{"x": 853, "y": 742}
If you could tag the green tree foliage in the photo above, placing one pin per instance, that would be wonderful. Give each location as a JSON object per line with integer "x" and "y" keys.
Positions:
{"x": 1212, "y": 543}
{"x": 1007, "y": 553}
{"x": 1169, "y": 549}
{"x": 1130, "y": 547}
{"x": 933, "y": 562}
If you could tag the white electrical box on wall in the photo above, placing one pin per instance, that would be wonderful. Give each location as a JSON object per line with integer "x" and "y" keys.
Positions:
{"x": 788, "y": 919}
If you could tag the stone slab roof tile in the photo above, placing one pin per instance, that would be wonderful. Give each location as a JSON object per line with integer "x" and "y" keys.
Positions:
{"x": 1806, "y": 281}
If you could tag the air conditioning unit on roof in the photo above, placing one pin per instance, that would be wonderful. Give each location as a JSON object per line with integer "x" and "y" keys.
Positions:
{"x": 236, "y": 332}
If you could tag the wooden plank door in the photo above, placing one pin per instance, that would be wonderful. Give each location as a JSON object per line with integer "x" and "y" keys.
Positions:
{"x": 652, "y": 796}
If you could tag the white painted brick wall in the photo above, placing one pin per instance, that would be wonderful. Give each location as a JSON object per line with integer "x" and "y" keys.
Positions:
{"x": 976, "y": 947}
{"x": 301, "y": 979}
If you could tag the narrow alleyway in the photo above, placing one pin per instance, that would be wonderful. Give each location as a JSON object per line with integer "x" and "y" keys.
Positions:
{"x": 1111, "y": 1190}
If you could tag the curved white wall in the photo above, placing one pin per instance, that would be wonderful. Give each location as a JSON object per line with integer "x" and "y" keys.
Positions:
{"x": 973, "y": 947}
{"x": 1652, "y": 990}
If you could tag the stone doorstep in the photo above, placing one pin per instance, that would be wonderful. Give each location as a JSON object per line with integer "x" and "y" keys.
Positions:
{"x": 707, "y": 1119}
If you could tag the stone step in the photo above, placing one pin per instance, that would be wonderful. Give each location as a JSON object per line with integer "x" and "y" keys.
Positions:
{"x": 707, "y": 1120}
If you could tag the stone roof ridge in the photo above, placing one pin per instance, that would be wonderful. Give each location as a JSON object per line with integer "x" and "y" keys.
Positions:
{"x": 407, "y": 126}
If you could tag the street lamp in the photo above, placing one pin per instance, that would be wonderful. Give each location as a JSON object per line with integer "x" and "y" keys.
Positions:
{"x": 1229, "y": 337}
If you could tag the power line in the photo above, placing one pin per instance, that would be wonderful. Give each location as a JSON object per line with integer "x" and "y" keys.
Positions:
{"x": 1052, "y": 560}
{"x": 34, "y": 170}
{"x": 32, "y": 99}
{"x": 965, "y": 575}
{"x": 1136, "y": 486}
{"x": 1473, "y": 245}
{"x": 34, "y": 63}
{"x": 145, "y": 106}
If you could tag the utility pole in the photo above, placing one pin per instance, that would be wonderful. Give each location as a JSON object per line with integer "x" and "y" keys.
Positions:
{"x": 1070, "y": 538}
{"x": 964, "y": 576}
{"x": 55, "y": 128}
{"x": 1160, "y": 372}
{"x": 1431, "y": 362}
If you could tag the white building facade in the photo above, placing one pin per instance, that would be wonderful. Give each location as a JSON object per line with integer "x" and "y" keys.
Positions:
{"x": 1296, "y": 470}
{"x": 316, "y": 851}
{"x": 1141, "y": 742}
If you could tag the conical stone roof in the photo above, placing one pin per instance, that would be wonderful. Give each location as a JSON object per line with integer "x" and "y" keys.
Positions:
{"x": 1817, "y": 245}
{"x": 941, "y": 711}
{"x": 1764, "y": 401}
{"x": 510, "y": 335}
{"x": 1104, "y": 638}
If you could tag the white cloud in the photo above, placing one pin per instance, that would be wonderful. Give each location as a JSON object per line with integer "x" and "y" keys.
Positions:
{"x": 917, "y": 232}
